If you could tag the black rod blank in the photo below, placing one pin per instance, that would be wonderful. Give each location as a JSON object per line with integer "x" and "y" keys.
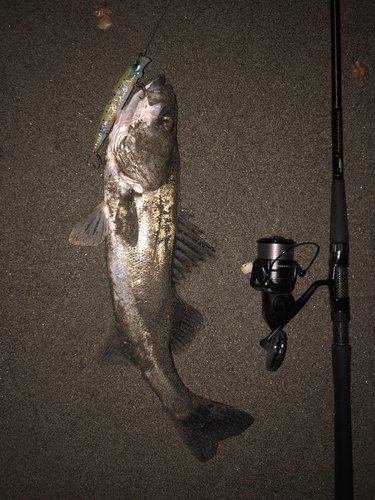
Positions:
{"x": 339, "y": 296}
{"x": 337, "y": 128}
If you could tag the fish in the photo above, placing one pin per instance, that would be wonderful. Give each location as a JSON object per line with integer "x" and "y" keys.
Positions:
{"x": 150, "y": 245}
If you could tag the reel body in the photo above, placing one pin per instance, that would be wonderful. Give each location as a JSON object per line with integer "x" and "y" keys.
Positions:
{"x": 274, "y": 273}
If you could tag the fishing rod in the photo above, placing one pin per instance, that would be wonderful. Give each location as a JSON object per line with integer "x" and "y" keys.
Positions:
{"x": 275, "y": 271}
{"x": 339, "y": 297}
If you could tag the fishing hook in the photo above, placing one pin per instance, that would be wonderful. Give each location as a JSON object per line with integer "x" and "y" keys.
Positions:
{"x": 142, "y": 87}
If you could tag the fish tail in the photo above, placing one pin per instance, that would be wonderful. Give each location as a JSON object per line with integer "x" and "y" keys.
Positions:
{"x": 208, "y": 424}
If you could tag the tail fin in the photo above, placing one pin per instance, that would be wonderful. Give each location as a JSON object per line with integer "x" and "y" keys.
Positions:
{"x": 209, "y": 423}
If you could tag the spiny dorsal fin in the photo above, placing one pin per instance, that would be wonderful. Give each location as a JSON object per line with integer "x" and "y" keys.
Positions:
{"x": 190, "y": 248}
{"x": 187, "y": 322}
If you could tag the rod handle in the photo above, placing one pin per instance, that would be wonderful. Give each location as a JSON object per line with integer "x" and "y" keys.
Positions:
{"x": 341, "y": 356}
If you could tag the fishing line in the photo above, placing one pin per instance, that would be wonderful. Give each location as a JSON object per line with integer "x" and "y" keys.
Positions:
{"x": 156, "y": 28}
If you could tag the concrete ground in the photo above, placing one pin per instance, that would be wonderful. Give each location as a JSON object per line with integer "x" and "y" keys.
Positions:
{"x": 253, "y": 86}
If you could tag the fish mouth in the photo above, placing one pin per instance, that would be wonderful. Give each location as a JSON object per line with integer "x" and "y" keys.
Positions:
{"x": 156, "y": 84}
{"x": 126, "y": 117}
{"x": 152, "y": 100}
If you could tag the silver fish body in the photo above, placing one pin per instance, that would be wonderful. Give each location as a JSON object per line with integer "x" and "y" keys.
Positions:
{"x": 139, "y": 220}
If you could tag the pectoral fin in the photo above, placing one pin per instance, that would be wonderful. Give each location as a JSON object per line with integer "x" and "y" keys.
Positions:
{"x": 127, "y": 219}
{"x": 92, "y": 231}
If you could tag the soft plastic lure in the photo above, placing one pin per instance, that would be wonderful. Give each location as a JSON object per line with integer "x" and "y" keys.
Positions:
{"x": 118, "y": 98}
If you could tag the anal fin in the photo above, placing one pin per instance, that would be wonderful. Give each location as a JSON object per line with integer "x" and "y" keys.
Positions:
{"x": 113, "y": 353}
{"x": 190, "y": 248}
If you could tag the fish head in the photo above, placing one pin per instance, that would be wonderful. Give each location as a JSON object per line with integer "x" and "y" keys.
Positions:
{"x": 144, "y": 138}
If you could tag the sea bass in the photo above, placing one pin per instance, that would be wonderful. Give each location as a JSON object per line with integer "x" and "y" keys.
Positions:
{"x": 148, "y": 248}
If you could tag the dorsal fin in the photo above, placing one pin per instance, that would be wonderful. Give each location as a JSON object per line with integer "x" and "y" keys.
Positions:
{"x": 190, "y": 248}
{"x": 187, "y": 322}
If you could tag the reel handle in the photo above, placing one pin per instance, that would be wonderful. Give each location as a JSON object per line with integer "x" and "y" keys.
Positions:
{"x": 275, "y": 346}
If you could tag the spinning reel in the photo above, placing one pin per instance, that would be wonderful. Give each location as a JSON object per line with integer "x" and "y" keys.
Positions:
{"x": 274, "y": 273}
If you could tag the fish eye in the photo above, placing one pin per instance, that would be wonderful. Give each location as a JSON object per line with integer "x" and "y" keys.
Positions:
{"x": 167, "y": 123}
